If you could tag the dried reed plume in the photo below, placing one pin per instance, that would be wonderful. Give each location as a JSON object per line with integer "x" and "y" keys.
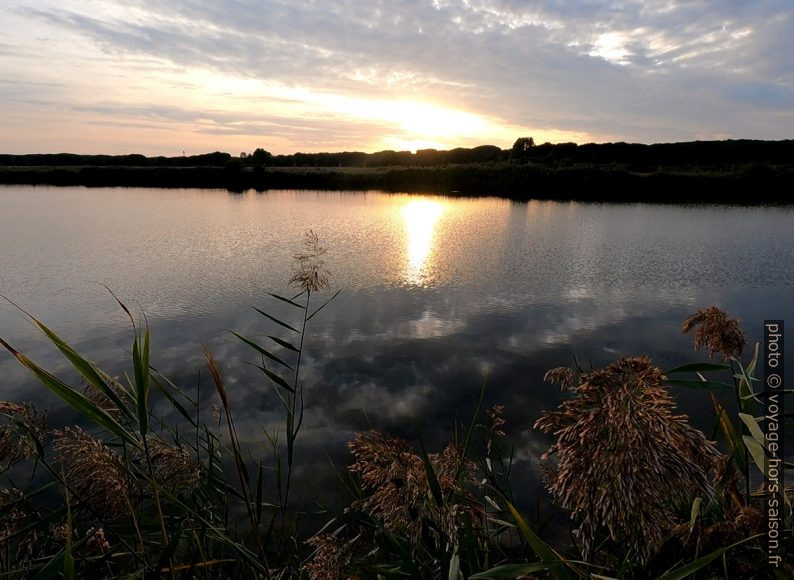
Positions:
{"x": 330, "y": 558}
{"x": 401, "y": 497}
{"x": 716, "y": 331}
{"x": 563, "y": 377}
{"x": 19, "y": 441}
{"x": 94, "y": 472}
{"x": 174, "y": 467}
{"x": 495, "y": 414}
{"x": 308, "y": 271}
{"x": 625, "y": 459}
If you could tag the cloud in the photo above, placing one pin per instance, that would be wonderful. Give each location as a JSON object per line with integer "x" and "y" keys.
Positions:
{"x": 602, "y": 70}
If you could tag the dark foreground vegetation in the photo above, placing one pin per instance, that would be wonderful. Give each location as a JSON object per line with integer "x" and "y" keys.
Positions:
{"x": 127, "y": 494}
{"x": 701, "y": 171}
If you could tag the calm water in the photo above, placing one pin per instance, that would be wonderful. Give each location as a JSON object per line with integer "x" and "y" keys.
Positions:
{"x": 438, "y": 296}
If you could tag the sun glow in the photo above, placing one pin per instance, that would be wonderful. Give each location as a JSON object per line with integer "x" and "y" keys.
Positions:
{"x": 421, "y": 218}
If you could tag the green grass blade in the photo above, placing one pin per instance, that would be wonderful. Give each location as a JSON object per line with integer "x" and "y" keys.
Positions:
{"x": 511, "y": 571}
{"x": 432, "y": 479}
{"x": 704, "y": 367}
{"x": 287, "y": 300}
{"x": 262, "y": 351}
{"x": 85, "y": 368}
{"x": 732, "y": 438}
{"x": 689, "y": 569}
{"x": 276, "y": 320}
{"x": 752, "y": 425}
{"x": 284, "y": 343}
{"x": 756, "y": 451}
{"x": 176, "y": 404}
{"x": 275, "y": 378}
{"x": 140, "y": 358}
{"x": 542, "y": 551}
{"x": 709, "y": 385}
{"x": 75, "y": 399}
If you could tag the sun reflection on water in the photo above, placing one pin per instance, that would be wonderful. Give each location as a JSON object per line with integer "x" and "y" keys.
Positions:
{"x": 421, "y": 218}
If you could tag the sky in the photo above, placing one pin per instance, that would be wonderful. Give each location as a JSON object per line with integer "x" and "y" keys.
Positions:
{"x": 163, "y": 78}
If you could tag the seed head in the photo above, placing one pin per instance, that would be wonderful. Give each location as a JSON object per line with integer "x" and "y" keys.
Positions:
{"x": 20, "y": 435}
{"x": 716, "y": 331}
{"x": 330, "y": 558}
{"x": 401, "y": 497}
{"x": 563, "y": 377}
{"x": 309, "y": 273}
{"x": 174, "y": 467}
{"x": 495, "y": 414}
{"x": 625, "y": 458}
{"x": 94, "y": 472}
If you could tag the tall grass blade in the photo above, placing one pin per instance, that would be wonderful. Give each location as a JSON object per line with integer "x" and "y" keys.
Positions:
{"x": 261, "y": 350}
{"x": 704, "y": 367}
{"x": 140, "y": 358}
{"x": 276, "y": 320}
{"x": 752, "y": 426}
{"x": 275, "y": 378}
{"x": 702, "y": 562}
{"x": 692, "y": 384}
{"x": 287, "y": 300}
{"x": 284, "y": 343}
{"x": 85, "y": 368}
{"x": 176, "y": 404}
{"x": 732, "y": 438}
{"x": 546, "y": 556}
{"x": 432, "y": 479}
{"x": 511, "y": 571}
{"x": 756, "y": 451}
{"x": 75, "y": 399}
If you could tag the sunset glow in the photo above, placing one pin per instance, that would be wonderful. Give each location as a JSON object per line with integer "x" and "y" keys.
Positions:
{"x": 420, "y": 218}
{"x": 113, "y": 77}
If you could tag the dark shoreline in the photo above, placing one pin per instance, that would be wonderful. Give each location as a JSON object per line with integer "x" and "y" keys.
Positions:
{"x": 749, "y": 184}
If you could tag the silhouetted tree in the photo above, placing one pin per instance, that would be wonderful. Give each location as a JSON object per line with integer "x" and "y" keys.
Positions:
{"x": 522, "y": 147}
{"x": 261, "y": 157}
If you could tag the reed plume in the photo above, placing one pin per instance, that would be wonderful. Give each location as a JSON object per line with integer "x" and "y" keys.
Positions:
{"x": 331, "y": 557}
{"x": 716, "y": 331}
{"x": 401, "y": 497}
{"x": 309, "y": 272}
{"x": 173, "y": 467}
{"x": 19, "y": 440}
{"x": 563, "y": 377}
{"x": 625, "y": 458}
{"x": 94, "y": 472}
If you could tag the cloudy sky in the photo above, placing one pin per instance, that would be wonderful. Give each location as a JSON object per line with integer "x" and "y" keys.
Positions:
{"x": 101, "y": 76}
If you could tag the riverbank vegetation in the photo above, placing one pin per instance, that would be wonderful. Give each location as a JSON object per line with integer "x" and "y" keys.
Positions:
{"x": 715, "y": 171}
{"x": 126, "y": 493}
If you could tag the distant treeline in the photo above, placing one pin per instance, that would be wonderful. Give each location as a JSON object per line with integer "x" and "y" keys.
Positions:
{"x": 701, "y": 171}
{"x": 216, "y": 159}
{"x": 746, "y": 184}
{"x": 634, "y": 155}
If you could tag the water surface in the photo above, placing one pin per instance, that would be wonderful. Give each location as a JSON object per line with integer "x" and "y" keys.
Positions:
{"x": 439, "y": 296}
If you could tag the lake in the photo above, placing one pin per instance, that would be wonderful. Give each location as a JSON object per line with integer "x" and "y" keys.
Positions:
{"x": 439, "y": 296}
